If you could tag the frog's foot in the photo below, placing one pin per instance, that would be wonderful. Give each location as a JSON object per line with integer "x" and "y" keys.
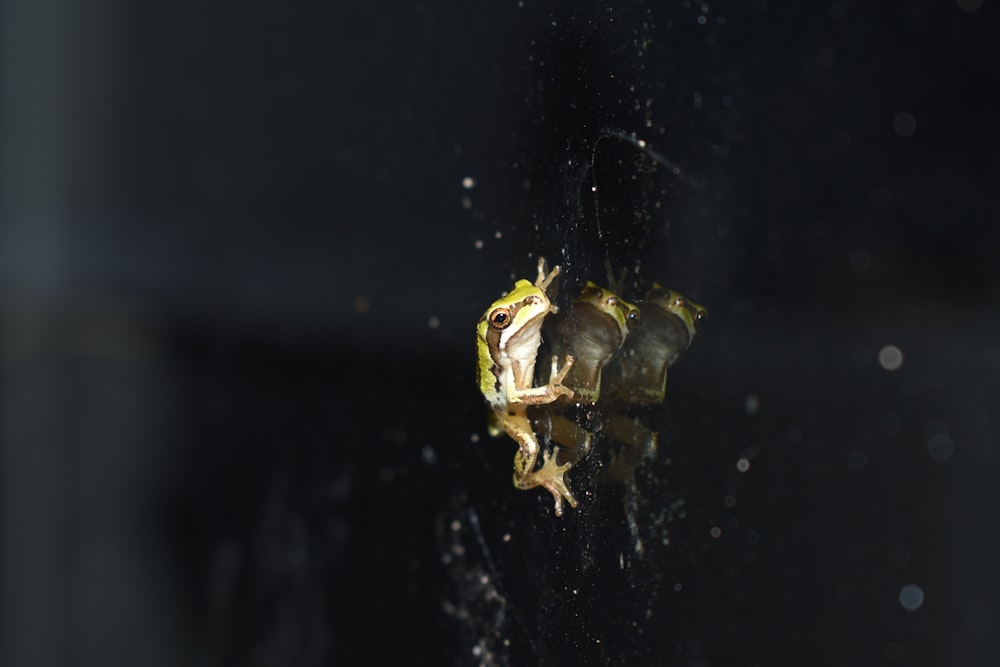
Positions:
{"x": 626, "y": 461}
{"x": 543, "y": 281}
{"x": 615, "y": 283}
{"x": 558, "y": 375}
{"x": 551, "y": 476}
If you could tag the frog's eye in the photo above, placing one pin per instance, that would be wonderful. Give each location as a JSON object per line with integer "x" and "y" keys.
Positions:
{"x": 612, "y": 301}
{"x": 679, "y": 302}
{"x": 699, "y": 318}
{"x": 500, "y": 318}
{"x": 632, "y": 318}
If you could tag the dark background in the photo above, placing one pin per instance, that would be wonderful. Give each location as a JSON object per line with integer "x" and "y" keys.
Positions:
{"x": 240, "y": 274}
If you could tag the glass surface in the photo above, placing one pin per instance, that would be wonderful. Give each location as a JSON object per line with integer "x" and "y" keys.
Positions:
{"x": 243, "y": 254}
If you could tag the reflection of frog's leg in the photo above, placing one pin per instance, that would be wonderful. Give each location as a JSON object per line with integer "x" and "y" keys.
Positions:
{"x": 639, "y": 443}
{"x": 543, "y": 281}
{"x": 615, "y": 284}
{"x": 575, "y": 440}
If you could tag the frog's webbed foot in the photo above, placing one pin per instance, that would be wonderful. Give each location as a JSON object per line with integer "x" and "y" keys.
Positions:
{"x": 552, "y": 477}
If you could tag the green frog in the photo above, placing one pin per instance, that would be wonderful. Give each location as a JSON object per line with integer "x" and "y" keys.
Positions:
{"x": 509, "y": 335}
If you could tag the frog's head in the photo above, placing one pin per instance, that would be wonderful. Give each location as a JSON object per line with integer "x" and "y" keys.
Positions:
{"x": 518, "y": 308}
{"x": 625, "y": 314}
{"x": 673, "y": 302}
{"x": 513, "y": 322}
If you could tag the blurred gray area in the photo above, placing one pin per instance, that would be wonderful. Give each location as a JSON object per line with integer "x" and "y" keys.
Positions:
{"x": 86, "y": 402}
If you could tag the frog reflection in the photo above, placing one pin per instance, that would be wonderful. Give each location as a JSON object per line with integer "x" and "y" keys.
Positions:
{"x": 638, "y": 375}
{"x": 591, "y": 331}
{"x": 633, "y": 375}
{"x": 670, "y": 322}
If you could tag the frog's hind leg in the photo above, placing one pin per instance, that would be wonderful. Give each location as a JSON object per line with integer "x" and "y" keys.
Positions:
{"x": 551, "y": 476}
{"x": 519, "y": 428}
{"x": 638, "y": 444}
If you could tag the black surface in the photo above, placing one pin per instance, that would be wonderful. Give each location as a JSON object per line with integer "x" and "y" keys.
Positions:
{"x": 233, "y": 436}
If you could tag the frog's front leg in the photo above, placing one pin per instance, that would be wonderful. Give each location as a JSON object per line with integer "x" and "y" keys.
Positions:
{"x": 550, "y": 476}
{"x": 547, "y": 393}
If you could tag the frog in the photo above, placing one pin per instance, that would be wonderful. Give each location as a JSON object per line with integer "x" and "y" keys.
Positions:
{"x": 592, "y": 331}
{"x": 670, "y": 323}
{"x": 639, "y": 374}
{"x": 509, "y": 336}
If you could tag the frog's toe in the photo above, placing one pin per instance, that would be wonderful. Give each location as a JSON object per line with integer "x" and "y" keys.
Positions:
{"x": 553, "y": 477}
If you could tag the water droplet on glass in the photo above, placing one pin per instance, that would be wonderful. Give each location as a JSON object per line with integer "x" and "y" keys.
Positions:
{"x": 911, "y": 597}
{"x": 890, "y": 357}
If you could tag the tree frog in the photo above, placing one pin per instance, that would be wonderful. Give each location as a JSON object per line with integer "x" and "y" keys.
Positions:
{"x": 592, "y": 331}
{"x": 639, "y": 375}
{"x": 509, "y": 334}
{"x": 670, "y": 322}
